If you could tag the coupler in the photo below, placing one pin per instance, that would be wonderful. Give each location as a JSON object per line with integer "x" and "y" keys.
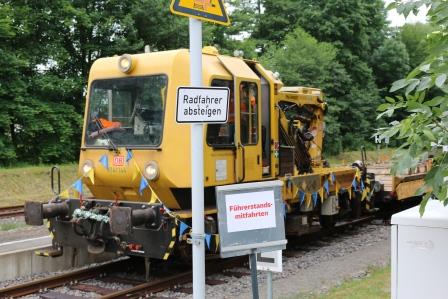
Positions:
{"x": 123, "y": 219}
{"x": 36, "y": 212}
{"x": 124, "y": 228}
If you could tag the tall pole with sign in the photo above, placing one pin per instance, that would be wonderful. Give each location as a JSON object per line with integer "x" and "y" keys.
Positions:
{"x": 197, "y": 10}
{"x": 197, "y": 167}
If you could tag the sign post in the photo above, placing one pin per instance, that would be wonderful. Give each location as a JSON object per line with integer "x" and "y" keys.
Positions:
{"x": 270, "y": 262}
{"x": 251, "y": 222}
{"x": 197, "y": 167}
{"x": 212, "y": 11}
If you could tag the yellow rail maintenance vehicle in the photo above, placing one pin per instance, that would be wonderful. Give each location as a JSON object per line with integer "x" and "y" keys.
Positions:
{"x": 135, "y": 158}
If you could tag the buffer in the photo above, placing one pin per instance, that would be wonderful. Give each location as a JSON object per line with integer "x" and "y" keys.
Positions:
{"x": 205, "y": 10}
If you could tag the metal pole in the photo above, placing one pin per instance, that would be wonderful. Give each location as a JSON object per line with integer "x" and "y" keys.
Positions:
{"x": 197, "y": 167}
{"x": 378, "y": 153}
{"x": 253, "y": 271}
{"x": 270, "y": 289}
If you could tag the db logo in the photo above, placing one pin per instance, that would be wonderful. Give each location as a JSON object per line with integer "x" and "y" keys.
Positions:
{"x": 118, "y": 160}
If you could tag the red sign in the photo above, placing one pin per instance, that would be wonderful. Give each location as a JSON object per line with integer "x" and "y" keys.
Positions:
{"x": 118, "y": 160}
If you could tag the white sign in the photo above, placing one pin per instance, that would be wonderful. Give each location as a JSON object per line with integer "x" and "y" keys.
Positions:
{"x": 270, "y": 261}
{"x": 249, "y": 211}
{"x": 378, "y": 140}
{"x": 202, "y": 105}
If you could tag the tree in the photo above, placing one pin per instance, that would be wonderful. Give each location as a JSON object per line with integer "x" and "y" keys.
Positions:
{"x": 355, "y": 29}
{"x": 10, "y": 82}
{"x": 414, "y": 38}
{"x": 391, "y": 62}
{"x": 424, "y": 132}
{"x": 157, "y": 27}
{"x": 48, "y": 49}
{"x": 314, "y": 64}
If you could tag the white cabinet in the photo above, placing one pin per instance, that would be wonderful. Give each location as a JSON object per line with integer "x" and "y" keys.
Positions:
{"x": 420, "y": 253}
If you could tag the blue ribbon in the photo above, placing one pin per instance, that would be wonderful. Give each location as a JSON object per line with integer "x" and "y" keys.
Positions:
{"x": 78, "y": 186}
{"x": 104, "y": 160}
{"x": 301, "y": 196}
{"x": 362, "y": 186}
{"x": 129, "y": 155}
{"x": 314, "y": 196}
{"x": 327, "y": 187}
{"x": 208, "y": 238}
{"x": 182, "y": 228}
{"x": 143, "y": 185}
{"x": 333, "y": 178}
{"x": 355, "y": 185}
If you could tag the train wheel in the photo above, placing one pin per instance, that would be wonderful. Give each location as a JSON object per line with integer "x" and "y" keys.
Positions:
{"x": 327, "y": 221}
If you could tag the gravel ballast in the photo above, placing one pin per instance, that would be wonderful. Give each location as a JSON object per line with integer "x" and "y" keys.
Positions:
{"x": 308, "y": 268}
{"x": 313, "y": 271}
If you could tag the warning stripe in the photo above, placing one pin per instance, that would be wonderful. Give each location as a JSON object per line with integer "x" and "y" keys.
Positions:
{"x": 172, "y": 242}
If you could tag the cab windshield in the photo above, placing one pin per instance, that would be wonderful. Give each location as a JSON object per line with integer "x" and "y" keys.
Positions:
{"x": 126, "y": 111}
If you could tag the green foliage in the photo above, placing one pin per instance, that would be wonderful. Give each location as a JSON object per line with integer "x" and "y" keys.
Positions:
{"x": 157, "y": 27}
{"x": 47, "y": 48}
{"x": 390, "y": 61}
{"x": 424, "y": 131}
{"x": 354, "y": 29}
{"x": 314, "y": 65}
{"x": 312, "y": 60}
{"x": 414, "y": 37}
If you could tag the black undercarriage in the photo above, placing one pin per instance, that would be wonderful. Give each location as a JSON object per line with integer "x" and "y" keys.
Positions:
{"x": 125, "y": 228}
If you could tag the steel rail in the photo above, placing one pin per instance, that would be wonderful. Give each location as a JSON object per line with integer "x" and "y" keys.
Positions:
{"x": 59, "y": 280}
{"x": 213, "y": 266}
{"x": 11, "y": 211}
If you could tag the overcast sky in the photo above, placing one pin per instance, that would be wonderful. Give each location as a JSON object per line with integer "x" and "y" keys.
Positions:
{"x": 398, "y": 20}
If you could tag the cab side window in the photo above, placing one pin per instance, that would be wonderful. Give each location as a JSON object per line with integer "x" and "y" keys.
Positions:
{"x": 222, "y": 135}
{"x": 249, "y": 113}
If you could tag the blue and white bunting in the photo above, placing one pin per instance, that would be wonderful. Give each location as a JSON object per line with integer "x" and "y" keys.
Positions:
{"x": 314, "y": 196}
{"x": 104, "y": 160}
{"x": 129, "y": 155}
{"x": 327, "y": 187}
{"x": 208, "y": 238}
{"x": 78, "y": 186}
{"x": 302, "y": 196}
{"x": 143, "y": 185}
{"x": 355, "y": 184}
{"x": 182, "y": 228}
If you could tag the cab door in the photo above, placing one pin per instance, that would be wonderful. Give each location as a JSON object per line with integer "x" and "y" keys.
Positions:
{"x": 247, "y": 134}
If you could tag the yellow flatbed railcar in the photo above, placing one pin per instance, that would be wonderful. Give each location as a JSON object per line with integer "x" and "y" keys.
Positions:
{"x": 130, "y": 133}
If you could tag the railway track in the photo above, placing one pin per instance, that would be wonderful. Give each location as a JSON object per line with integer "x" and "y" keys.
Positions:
{"x": 11, "y": 211}
{"x": 75, "y": 280}
{"x": 46, "y": 288}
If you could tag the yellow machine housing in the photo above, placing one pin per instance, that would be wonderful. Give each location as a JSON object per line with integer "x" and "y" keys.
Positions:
{"x": 273, "y": 133}
{"x": 224, "y": 164}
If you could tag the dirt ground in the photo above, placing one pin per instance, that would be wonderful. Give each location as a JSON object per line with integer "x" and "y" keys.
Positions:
{"x": 323, "y": 276}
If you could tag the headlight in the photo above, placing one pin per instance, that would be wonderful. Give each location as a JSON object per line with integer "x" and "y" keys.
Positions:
{"x": 151, "y": 171}
{"x": 125, "y": 63}
{"x": 86, "y": 167}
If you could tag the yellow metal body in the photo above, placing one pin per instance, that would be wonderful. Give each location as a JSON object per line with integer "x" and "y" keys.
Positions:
{"x": 242, "y": 163}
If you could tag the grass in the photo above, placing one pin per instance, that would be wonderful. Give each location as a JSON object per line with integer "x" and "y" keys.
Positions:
{"x": 11, "y": 226}
{"x": 376, "y": 285}
{"x": 348, "y": 157}
{"x": 31, "y": 183}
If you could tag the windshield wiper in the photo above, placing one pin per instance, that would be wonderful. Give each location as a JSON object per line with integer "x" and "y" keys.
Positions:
{"x": 101, "y": 131}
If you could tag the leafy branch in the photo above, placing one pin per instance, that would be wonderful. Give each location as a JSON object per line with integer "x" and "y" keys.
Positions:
{"x": 423, "y": 131}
